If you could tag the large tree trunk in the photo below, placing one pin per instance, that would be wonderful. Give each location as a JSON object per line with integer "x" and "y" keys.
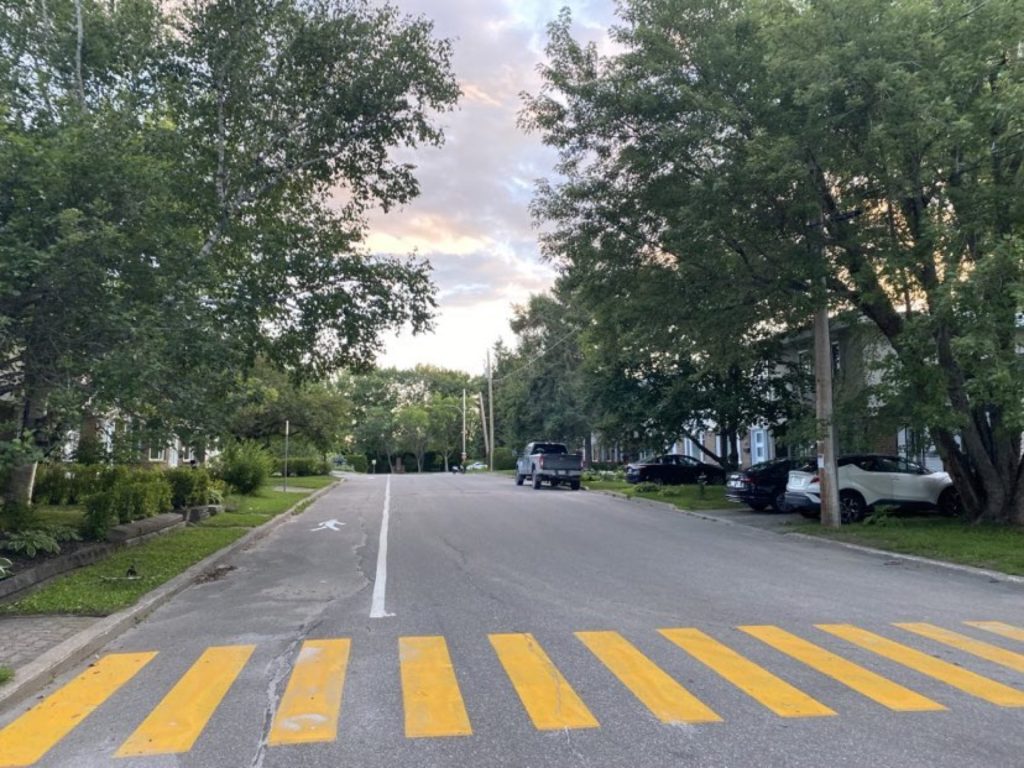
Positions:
{"x": 22, "y": 477}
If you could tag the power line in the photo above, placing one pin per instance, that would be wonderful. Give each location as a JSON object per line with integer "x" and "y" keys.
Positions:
{"x": 547, "y": 349}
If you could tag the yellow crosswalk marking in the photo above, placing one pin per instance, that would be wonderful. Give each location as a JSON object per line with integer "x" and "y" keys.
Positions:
{"x": 311, "y": 703}
{"x": 668, "y": 700}
{"x": 549, "y": 700}
{"x": 968, "y": 682}
{"x": 433, "y": 702}
{"x": 178, "y": 720}
{"x": 999, "y": 628}
{"x": 974, "y": 647}
{"x": 864, "y": 681}
{"x": 758, "y": 683}
{"x": 32, "y": 735}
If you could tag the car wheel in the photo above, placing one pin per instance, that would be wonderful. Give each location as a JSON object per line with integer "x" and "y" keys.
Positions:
{"x": 950, "y": 503}
{"x": 758, "y": 507}
{"x": 519, "y": 479}
{"x": 657, "y": 481}
{"x": 536, "y": 481}
{"x": 779, "y": 502}
{"x": 852, "y": 508}
{"x": 574, "y": 485}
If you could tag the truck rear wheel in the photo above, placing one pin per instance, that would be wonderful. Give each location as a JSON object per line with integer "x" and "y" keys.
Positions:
{"x": 519, "y": 479}
{"x": 536, "y": 481}
{"x": 575, "y": 485}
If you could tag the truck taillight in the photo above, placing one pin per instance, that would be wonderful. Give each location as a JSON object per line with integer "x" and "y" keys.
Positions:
{"x": 542, "y": 461}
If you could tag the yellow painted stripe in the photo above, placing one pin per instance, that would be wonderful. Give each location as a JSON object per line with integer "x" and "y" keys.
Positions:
{"x": 32, "y": 735}
{"x": 776, "y": 694}
{"x": 178, "y": 720}
{"x": 968, "y": 682}
{"x": 433, "y": 702}
{"x": 986, "y": 651}
{"x": 999, "y": 628}
{"x": 311, "y": 703}
{"x": 864, "y": 681}
{"x": 668, "y": 700}
{"x": 548, "y": 698}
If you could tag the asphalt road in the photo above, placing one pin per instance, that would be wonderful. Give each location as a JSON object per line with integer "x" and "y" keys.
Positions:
{"x": 477, "y": 662}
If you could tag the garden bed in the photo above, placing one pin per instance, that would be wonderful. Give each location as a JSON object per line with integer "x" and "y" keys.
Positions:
{"x": 681, "y": 496}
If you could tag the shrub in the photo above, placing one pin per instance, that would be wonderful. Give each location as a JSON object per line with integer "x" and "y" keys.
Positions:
{"x": 66, "y": 483}
{"x": 245, "y": 466}
{"x": 51, "y": 485}
{"x": 504, "y": 458}
{"x": 30, "y": 542}
{"x": 189, "y": 487}
{"x": 358, "y": 462}
{"x": 303, "y": 466}
{"x": 90, "y": 450}
{"x": 129, "y": 496}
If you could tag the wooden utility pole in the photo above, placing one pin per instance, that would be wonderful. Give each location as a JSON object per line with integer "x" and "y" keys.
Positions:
{"x": 490, "y": 407}
{"x": 462, "y": 463}
{"x": 827, "y": 472}
{"x": 483, "y": 424}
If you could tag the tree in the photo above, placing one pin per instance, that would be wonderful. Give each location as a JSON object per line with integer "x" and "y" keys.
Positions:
{"x": 318, "y": 414}
{"x": 538, "y": 388}
{"x": 723, "y": 143}
{"x": 412, "y": 426}
{"x": 216, "y": 138}
{"x": 445, "y": 420}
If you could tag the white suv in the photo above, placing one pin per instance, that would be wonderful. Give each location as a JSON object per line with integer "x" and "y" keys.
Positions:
{"x": 869, "y": 479}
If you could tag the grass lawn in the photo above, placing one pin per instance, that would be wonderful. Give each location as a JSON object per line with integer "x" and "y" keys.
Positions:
{"x": 314, "y": 482}
{"x": 266, "y": 501}
{"x": 101, "y": 588}
{"x": 682, "y": 496}
{"x": 6, "y": 673}
{"x": 985, "y": 546}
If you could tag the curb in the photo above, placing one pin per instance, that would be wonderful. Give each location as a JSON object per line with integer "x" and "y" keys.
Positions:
{"x": 944, "y": 564}
{"x": 33, "y": 677}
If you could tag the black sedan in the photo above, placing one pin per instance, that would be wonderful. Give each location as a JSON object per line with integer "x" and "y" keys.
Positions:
{"x": 674, "y": 469}
{"x": 763, "y": 485}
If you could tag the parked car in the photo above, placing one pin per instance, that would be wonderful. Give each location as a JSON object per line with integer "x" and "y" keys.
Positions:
{"x": 869, "y": 479}
{"x": 674, "y": 469}
{"x": 763, "y": 485}
{"x": 551, "y": 462}
{"x": 476, "y": 466}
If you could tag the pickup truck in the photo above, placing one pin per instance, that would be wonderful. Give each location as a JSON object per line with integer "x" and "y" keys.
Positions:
{"x": 551, "y": 462}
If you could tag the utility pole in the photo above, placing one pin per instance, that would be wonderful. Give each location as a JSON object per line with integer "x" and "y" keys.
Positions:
{"x": 287, "y": 429}
{"x": 827, "y": 472}
{"x": 490, "y": 404}
{"x": 483, "y": 424}
{"x": 463, "y": 462}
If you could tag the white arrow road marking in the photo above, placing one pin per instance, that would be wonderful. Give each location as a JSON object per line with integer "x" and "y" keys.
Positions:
{"x": 332, "y": 525}
{"x": 380, "y": 581}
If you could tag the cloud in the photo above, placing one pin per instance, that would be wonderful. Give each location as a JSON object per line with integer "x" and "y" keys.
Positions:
{"x": 472, "y": 218}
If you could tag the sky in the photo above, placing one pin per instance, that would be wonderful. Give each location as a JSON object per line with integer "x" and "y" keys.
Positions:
{"x": 472, "y": 217}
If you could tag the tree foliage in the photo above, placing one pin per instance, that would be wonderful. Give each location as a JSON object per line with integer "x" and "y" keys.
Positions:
{"x": 183, "y": 190}
{"x": 720, "y": 145}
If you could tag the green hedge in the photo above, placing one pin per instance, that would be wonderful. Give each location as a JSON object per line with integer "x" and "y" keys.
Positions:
{"x": 304, "y": 466}
{"x": 358, "y": 462}
{"x": 504, "y": 458}
{"x": 190, "y": 487}
{"x": 62, "y": 483}
{"x": 245, "y": 466}
{"x": 130, "y": 495}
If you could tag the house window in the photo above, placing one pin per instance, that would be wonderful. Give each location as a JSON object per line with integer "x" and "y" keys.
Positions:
{"x": 836, "y": 359}
{"x": 759, "y": 446}
{"x": 157, "y": 454}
